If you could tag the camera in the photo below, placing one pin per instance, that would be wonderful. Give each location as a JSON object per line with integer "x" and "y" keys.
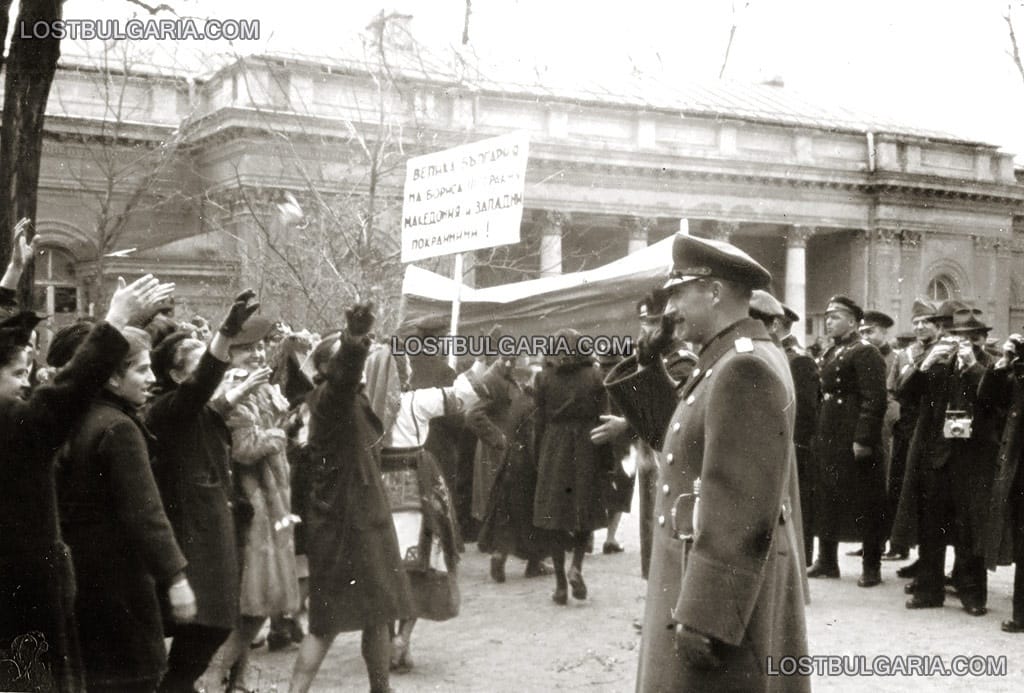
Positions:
{"x": 957, "y": 425}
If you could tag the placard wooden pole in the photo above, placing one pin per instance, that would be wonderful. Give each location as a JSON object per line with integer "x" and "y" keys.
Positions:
{"x": 456, "y": 304}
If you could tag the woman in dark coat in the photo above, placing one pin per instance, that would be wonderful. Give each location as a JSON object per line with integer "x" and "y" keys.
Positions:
{"x": 507, "y": 513}
{"x": 570, "y": 398}
{"x": 355, "y": 573}
{"x": 192, "y": 456}
{"x": 122, "y": 544}
{"x": 37, "y": 584}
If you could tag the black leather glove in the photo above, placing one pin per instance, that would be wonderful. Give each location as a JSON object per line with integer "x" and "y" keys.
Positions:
{"x": 360, "y": 318}
{"x": 650, "y": 346}
{"x": 696, "y": 649}
{"x": 241, "y": 310}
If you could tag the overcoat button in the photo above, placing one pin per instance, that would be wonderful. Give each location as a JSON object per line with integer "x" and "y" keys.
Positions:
{"x": 661, "y": 520}
{"x": 670, "y": 458}
{"x": 664, "y": 489}
{"x": 675, "y": 426}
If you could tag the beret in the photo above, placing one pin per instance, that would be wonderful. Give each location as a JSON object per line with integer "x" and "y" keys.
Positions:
{"x": 847, "y": 304}
{"x": 763, "y": 303}
{"x": 877, "y": 317}
{"x": 66, "y": 342}
{"x": 162, "y": 356}
{"x": 700, "y": 258}
{"x": 255, "y": 328}
{"x": 16, "y": 330}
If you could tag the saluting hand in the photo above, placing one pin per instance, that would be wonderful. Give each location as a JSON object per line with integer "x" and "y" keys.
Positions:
{"x": 650, "y": 346}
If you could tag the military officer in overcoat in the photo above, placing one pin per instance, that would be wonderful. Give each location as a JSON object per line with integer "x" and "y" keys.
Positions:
{"x": 849, "y": 496}
{"x": 725, "y": 593}
{"x": 778, "y": 319}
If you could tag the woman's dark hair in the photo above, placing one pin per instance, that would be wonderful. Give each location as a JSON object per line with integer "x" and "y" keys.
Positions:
{"x": 8, "y": 352}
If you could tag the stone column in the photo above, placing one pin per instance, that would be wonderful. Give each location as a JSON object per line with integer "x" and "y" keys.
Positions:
{"x": 724, "y": 230}
{"x": 796, "y": 269}
{"x": 551, "y": 243}
{"x": 911, "y": 286}
{"x": 639, "y": 229}
{"x": 883, "y": 288}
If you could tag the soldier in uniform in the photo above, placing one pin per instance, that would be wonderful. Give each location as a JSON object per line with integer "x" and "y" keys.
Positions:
{"x": 901, "y": 500}
{"x": 779, "y": 319}
{"x": 725, "y": 594}
{"x": 849, "y": 496}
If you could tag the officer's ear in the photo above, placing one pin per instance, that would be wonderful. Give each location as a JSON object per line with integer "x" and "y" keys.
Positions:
{"x": 715, "y": 288}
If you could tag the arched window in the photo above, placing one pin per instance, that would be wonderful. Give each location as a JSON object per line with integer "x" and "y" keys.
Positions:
{"x": 941, "y": 288}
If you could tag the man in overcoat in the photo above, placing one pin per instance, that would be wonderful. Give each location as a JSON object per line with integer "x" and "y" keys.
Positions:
{"x": 953, "y": 463}
{"x": 849, "y": 496}
{"x": 778, "y": 320}
{"x": 725, "y": 595}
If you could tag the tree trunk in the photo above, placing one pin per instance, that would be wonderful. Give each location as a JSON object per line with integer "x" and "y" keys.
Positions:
{"x": 31, "y": 64}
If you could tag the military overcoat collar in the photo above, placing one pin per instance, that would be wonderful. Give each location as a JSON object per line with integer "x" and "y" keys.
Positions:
{"x": 728, "y": 339}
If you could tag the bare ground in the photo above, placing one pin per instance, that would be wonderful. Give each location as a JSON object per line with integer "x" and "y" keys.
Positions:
{"x": 512, "y": 637}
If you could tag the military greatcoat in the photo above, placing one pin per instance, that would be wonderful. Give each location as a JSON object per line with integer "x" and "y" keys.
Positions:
{"x": 849, "y": 496}
{"x": 740, "y": 578}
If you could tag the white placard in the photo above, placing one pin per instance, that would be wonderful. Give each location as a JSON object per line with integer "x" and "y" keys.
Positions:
{"x": 464, "y": 198}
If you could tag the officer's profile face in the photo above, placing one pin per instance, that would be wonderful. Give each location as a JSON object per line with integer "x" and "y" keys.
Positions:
{"x": 839, "y": 323}
{"x": 875, "y": 334}
{"x": 693, "y": 302}
{"x": 925, "y": 330}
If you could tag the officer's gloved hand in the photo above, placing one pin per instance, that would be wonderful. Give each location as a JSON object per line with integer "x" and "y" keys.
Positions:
{"x": 696, "y": 649}
{"x": 651, "y": 346}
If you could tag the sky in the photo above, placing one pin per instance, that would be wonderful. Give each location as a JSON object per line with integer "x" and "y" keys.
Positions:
{"x": 937, "y": 64}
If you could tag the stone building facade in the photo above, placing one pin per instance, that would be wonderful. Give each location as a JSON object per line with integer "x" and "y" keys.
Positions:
{"x": 831, "y": 201}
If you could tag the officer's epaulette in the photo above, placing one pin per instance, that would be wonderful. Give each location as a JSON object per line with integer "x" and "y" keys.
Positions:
{"x": 744, "y": 345}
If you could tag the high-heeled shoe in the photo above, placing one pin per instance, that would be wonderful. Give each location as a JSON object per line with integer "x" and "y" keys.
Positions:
{"x": 579, "y": 588}
{"x": 561, "y": 596}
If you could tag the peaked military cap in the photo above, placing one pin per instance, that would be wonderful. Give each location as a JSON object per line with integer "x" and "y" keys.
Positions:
{"x": 702, "y": 258}
{"x": 877, "y": 317}
{"x": 763, "y": 303}
{"x": 845, "y": 304}
{"x": 790, "y": 313}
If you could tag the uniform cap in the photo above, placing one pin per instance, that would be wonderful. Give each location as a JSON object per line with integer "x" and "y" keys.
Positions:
{"x": 877, "y": 317}
{"x": 702, "y": 258}
{"x": 790, "y": 313}
{"x": 923, "y": 309}
{"x": 763, "y": 303}
{"x": 847, "y": 305}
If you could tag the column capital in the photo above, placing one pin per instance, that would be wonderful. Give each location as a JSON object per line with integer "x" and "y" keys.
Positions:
{"x": 797, "y": 235}
{"x": 555, "y": 219}
{"x": 888, "y": 236}
{"x": 987, "y": 244}
{"x": 910, "y": 239}
{"x": 724, "y": 230}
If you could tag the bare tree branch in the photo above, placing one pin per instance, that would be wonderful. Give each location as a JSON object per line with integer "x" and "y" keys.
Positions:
{"x": 1014, "y": 46}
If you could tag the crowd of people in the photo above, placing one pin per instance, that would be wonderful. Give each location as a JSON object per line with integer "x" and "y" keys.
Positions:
{"x": 171, "y": 480}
